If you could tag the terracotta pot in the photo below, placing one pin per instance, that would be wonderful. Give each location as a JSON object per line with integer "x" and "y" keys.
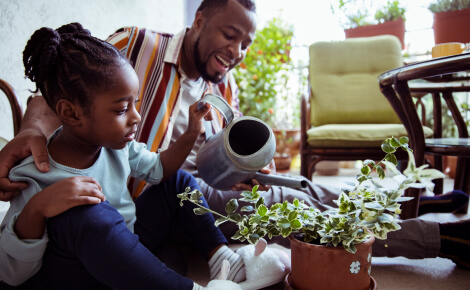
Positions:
{"x": 282, "y": 161}
{"x": 452, "y": 26}
{"x": 327, "y": 267}
{"x": 292, "y": 137}
{"x": 396, "y": 27}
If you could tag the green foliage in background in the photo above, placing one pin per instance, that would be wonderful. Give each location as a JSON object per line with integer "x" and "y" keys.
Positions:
{"x": 263, "y": 75}
{"x": 391, "y": 11}
{"x": 448, "y": 5}
{"x": 355, "y": 13}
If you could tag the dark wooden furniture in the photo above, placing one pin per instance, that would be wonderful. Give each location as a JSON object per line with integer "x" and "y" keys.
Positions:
{"x": 441, "y": 77}
{"x": 15, "y": 106}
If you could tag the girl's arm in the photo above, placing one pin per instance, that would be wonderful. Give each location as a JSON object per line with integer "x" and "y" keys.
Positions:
{"x": 23, "y": 239}
{"x": 173, "y": 157}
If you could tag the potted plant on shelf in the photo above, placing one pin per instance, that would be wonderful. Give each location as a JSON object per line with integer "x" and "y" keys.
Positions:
{"x": 451, "y": 18}
{"x": 342, "y": 235}
{"x": 359, "y": 20}
{"x": 263, "y": 78}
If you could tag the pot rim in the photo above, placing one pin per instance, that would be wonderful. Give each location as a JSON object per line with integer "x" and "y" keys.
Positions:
{"x": 367, "y": 242}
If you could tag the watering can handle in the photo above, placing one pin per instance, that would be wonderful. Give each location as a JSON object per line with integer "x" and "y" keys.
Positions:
{"x": 221, "y": 105}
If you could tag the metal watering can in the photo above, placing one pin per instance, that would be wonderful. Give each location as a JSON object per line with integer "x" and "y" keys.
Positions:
{"x": 239, "y": 151}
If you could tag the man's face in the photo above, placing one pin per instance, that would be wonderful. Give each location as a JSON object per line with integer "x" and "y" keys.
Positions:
{"x": 223, "y": 41}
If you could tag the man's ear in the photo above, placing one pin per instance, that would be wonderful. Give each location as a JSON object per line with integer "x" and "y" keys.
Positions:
{"x": 199, "y": 21}
{"x": 68, "y": 112}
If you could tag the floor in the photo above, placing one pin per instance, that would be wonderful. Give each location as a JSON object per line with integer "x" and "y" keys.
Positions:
{"x": 389, "y": 273}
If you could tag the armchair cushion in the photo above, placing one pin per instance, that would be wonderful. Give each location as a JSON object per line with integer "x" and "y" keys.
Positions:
{"x": 356, "y": 135}
{"x": 343, "y": 79}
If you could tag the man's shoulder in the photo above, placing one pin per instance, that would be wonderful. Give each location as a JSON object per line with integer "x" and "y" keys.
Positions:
{"x": 129, "y": 31}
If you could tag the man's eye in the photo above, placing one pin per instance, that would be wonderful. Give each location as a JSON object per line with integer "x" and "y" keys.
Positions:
{"x": 228, "y": 36}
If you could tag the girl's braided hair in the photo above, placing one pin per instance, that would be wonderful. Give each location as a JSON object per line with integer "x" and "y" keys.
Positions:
{"x": 69, "y": 63}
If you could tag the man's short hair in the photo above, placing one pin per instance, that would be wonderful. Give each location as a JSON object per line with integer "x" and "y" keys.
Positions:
{"x": 209, "y": 7}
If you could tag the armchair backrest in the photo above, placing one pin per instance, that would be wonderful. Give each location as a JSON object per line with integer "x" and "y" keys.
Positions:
{"x": 343, "y": 80}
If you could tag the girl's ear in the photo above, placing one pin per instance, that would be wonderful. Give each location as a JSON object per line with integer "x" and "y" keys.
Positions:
{"x": 68, "y": 112}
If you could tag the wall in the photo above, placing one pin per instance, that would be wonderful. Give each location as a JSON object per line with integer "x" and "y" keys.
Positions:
{"x": 19, "y": 19}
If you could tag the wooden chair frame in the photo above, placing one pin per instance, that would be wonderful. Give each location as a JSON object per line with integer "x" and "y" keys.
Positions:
{"x": 394, "y": 85}
{"x": 14, "y": 105}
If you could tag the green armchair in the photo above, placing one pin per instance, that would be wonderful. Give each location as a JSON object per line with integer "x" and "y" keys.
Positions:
{"x": 345, "y": 116}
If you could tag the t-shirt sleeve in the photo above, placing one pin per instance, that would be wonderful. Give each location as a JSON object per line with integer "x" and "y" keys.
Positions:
{"x": 20, "y": 259}
{"x": 144, "y": 164}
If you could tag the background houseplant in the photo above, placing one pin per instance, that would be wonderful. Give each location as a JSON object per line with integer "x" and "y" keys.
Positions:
{"x": 263, "y": 79}
{"x": 263, "y": 75}
{"x": 451, "y": 18}
{"x": 362, "y": 18}
{"x": 364, "y": 210}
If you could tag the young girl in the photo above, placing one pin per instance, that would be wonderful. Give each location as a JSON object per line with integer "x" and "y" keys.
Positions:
{"x": 73, "y": 226}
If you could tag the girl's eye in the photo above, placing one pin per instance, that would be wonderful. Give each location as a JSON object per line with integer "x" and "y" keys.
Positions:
{"x": 137, "y": 101}
{"x": 121, "y": 112}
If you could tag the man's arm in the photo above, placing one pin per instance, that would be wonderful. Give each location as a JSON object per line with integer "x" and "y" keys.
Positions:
{"x": 38, "y": 123}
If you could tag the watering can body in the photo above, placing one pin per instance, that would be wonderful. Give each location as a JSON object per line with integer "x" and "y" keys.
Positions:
{"x": 236, "y": 153}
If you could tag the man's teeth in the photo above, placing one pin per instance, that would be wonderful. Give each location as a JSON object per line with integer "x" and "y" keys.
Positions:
{"x": 222, "y": 61}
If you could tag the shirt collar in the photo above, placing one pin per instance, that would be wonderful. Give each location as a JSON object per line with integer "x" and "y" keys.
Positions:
{"x": 173, "y": 52}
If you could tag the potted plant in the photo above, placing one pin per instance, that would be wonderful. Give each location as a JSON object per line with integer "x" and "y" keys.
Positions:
{"x": 365, "y": 211}
{"x": 360, "y": 21}
{"x": 451, "y": 18}
{"x": 283, "y": 155}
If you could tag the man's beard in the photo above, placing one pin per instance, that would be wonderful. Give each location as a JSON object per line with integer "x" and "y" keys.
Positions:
{"x": 202, "y": 67}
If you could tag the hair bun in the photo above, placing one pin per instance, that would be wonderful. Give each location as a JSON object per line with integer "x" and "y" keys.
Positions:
{"x": 74, "y": 29}
{"x": 43, "y": 44}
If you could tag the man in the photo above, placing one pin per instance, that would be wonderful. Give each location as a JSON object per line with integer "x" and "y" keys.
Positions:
{"x": 175, "y": 71}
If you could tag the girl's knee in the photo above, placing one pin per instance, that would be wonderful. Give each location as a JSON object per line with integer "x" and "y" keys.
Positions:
{"x": 89, "y": 217}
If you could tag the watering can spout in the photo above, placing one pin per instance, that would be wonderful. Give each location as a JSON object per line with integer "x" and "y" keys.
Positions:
{"x": 280, "y": 180}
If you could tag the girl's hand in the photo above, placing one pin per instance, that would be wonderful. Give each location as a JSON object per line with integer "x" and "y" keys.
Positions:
{"x": 54, "y": 200}
{"x": 67, "y": 193}
{"x": 195, "y": 125}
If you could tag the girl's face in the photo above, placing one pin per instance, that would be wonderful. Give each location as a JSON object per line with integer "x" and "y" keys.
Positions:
{"x": 114, "y": 117}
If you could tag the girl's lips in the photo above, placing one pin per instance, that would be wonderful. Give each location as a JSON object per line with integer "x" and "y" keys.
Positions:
{"x": 130, "y": 137}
